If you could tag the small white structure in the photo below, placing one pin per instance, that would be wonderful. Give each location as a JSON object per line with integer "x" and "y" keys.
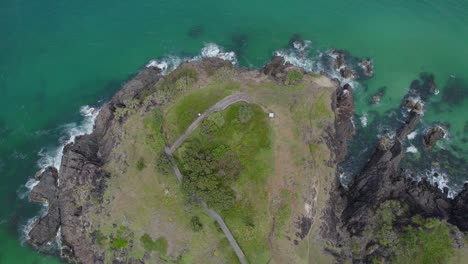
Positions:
{"x": 271, "y": 115}
{"x": 199, "y": 114}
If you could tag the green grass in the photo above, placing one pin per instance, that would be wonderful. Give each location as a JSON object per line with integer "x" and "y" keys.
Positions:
{"x": 321, "y": 109}
{"x": 154, "y": 125}
{"x": 185, "y": 111}
{"x": 284, "y": 212}
{"x": 294, "y": 76}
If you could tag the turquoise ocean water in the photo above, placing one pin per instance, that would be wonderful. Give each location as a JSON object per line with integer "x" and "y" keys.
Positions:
{"x": 56, "y": 56}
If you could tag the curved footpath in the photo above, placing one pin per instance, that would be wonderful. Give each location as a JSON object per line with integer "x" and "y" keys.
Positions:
{"x": 219, "y": 106}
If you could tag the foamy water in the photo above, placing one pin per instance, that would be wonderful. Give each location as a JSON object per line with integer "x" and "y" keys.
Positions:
{"x": 210, "y": 50}
{"x": 299, "y": 55}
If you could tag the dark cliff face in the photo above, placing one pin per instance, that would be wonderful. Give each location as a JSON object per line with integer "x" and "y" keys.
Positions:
{"x": 354, "y": 210}
{"x": 81, "y": 179}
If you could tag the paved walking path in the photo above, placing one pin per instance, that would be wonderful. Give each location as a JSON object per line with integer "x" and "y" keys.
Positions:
{"x": 221, "y": 105}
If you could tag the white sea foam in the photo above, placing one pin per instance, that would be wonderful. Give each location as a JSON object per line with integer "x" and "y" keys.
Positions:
{"x": 412, "y": 135}
{"x": 167, "y": 64}
{"x": 442, "y": 179}
{"x": 53, "y": 157}
{"x": 363, "y": 119}
{"x": 298, "y": 55}
{"x": 210, "y": 50}
{"x": 411, "y": 149}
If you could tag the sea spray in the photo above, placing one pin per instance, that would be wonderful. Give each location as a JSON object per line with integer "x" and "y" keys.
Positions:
{"x": 299, "y": 54}
{"x": 53, "y": 157}
{"x": 210, "y": 50}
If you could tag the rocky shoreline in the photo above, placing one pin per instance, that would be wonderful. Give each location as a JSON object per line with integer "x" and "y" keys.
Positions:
{"x": 351, "y": 211}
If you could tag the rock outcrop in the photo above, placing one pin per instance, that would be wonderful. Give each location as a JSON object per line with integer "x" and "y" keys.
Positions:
{"x": 343, "y": 106}
{"x": 382, "y": 179}
{"x": 434, "y": 134}
{"x": 46, "y": 191}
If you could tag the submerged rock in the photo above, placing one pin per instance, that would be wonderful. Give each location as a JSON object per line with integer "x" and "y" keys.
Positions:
{"x": 367, "y": 67}
{"x": 377, "y": 97}
{"x": 432, "y": 136}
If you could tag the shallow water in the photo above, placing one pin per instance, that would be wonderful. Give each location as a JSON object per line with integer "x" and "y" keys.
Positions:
{"x": 58, "y": 56}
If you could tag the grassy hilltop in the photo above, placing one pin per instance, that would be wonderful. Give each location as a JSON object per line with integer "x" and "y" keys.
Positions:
{"x": 267, "y": 177}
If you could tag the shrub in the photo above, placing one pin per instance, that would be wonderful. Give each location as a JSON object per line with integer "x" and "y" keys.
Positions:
{"x": 208, "y": 127}
{"x": 163, "y": 164}
{"x": 196, "y": 224}
{"x": 426, "y": 245}
{"x": 120, "y": 241}
{"x": 160, "y": 245}
{"x": 294, "y": 76}
{"x": 140, "y": 165}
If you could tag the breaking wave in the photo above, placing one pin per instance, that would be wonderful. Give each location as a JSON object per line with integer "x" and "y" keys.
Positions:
{"x": 323, "y": 62}
{"x": 210, "y": 50}
{"x": 53, "y": 157}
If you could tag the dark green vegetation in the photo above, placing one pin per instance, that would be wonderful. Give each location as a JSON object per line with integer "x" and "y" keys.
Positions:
{"x": 120, "y": 241}
{"x": 213, "y": 160}
{"x": 416, "y": 240}
{"x": 140, "y": 165}
{"x": 294, "y": 76}
{"x": 196, "y": 224}
{"x": 159, "y": 245}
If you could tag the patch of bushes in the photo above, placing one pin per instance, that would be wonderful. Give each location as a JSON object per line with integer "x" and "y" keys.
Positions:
{"x": 163, "y": 164}
{"x": 422, "y": 241}
{"x": 294, "y": 76}
{"x": 196, "y": 224}
{"x": 160, "y": 245}
{"x": 205, "y": 175}
{"x": 120, "y": 241}
{"x": 140, "y": 165}
{"x": 129, "y": 107}
{"x": 429, "y": 243}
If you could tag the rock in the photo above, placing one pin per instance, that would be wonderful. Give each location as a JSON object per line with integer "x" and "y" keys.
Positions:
{"x": 46, "y": 189}
{"x": 459, "y": 215}
{"x": 432, "y": 136}
{"x": 343, "y": 106}
{"x": 347, "y": 72}
{"x": 367, "y": 67}
{"x": 276, "y": 68}
{"x": 45, "y": 229}
{"x": 377, "y": 97}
